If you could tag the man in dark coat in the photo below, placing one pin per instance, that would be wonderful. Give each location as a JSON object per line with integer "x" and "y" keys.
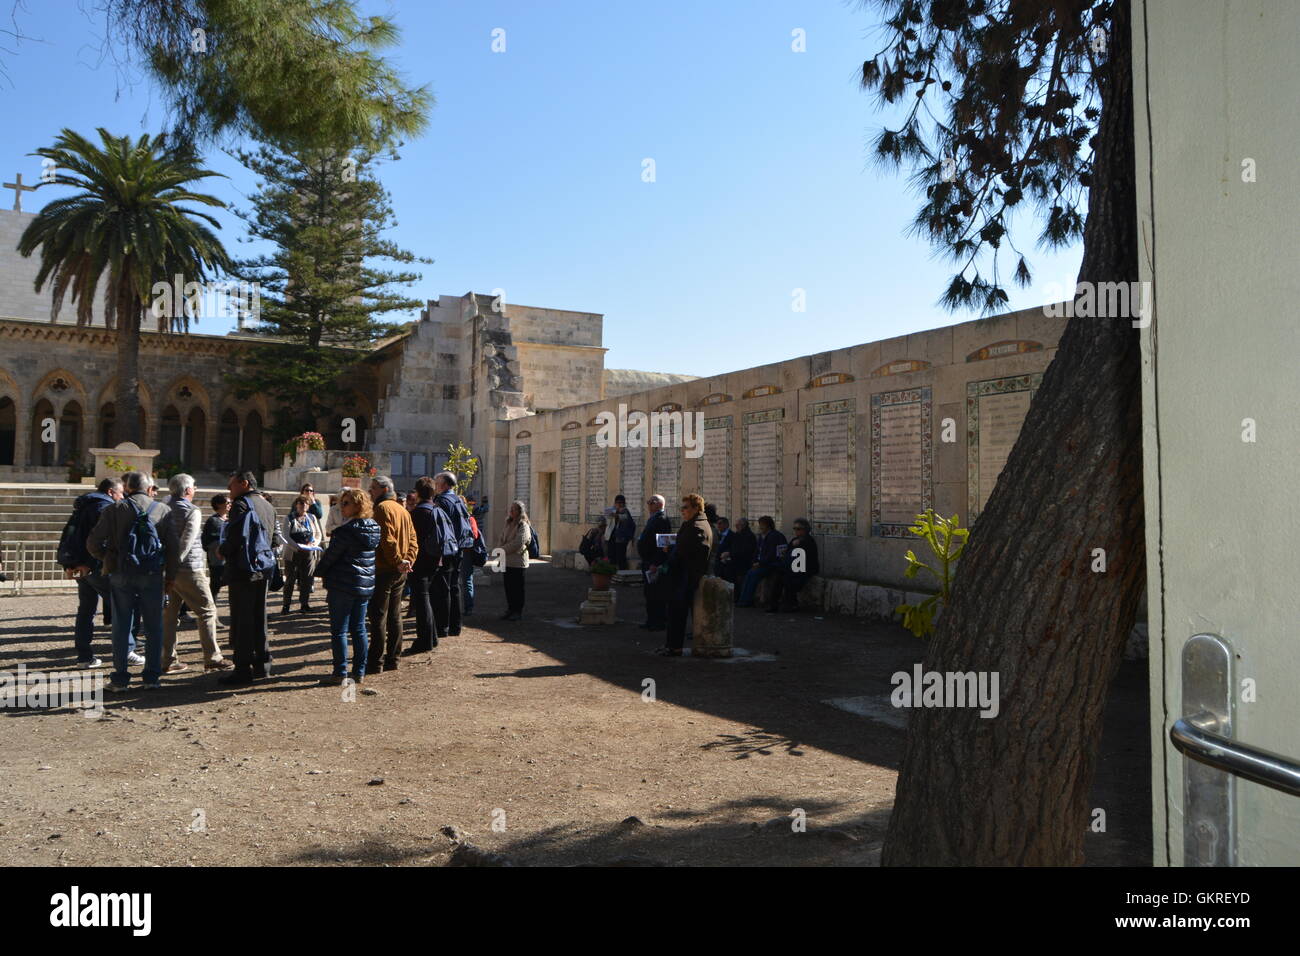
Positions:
{"x": 738, "y": 558}
{"x": 450, "y": 502}
{"x": 652, "y": 556}
{"x": 92, "y": 583}
{"x": 439, "y": 551}
{"x": 622, "y": 532}
{"x": 246, "y": 592}
{"x": 721, "y": 545}
{"x": 771, "y": 552}
{"x": 688, "y": 562}
{"x": 799, "y": 564}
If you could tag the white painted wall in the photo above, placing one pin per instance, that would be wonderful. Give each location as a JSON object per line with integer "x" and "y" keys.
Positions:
{"x": 1216, "y": 83}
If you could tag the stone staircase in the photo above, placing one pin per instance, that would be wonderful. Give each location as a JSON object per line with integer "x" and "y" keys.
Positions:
{"x": 32, "y": 517}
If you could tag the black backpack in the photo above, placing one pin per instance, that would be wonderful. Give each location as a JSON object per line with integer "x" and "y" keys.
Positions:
{"x": 478, "y": 555}
{"x": 534, "y": 545}
{"x": 72, "y": 549}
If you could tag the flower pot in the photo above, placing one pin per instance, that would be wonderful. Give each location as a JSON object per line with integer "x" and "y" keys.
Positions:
{"x": 351, "y": 482}
{"x": 600, "y": 582}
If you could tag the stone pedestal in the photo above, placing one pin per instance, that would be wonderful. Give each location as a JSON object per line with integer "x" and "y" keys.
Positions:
{"x": 713, "y": 616}
{"x": 129, "y": 454}
{"x": 599, "y": 608}
{"x": 631, "y": 579}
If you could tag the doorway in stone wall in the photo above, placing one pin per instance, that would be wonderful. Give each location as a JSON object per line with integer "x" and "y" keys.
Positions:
{"x": 544, "y": 507}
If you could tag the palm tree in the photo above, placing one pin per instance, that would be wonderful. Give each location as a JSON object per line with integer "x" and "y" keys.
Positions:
{"x": 126, "y": 227}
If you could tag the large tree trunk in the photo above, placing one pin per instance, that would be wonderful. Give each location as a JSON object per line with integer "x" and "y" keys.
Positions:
{"x": 126, "y": 427}
{"x": 1012, "y": 790}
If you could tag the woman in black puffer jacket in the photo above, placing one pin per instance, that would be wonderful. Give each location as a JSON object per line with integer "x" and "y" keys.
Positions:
{"x": 348, "y": 568}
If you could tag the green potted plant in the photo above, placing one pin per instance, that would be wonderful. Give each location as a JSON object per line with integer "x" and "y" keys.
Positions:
{"x": 602, "y": 572}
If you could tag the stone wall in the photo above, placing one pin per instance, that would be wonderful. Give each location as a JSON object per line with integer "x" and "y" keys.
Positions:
{"x": 946, "y": 383}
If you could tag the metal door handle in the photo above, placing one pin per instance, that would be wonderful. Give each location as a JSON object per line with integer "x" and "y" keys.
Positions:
{"x": 1195, "y": 737}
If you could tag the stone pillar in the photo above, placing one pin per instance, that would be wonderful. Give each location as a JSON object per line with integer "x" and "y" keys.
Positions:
{"x": 599, "y": 608}
{"x": 713, "y": 616}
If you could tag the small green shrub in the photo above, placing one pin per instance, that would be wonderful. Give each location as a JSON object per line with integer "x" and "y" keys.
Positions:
{"x": 947, "y": 539}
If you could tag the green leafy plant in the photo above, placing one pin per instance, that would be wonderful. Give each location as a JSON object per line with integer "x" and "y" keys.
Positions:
{"x": 601, "y": 566}
{"x": 463, "y": 464}
{"x": 115, "y": 464}
{"x": 168, "y": 469}
{"x": 947, "y": 539}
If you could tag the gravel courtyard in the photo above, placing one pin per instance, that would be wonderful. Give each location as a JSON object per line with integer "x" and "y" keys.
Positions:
{"x": 531, "y": 742}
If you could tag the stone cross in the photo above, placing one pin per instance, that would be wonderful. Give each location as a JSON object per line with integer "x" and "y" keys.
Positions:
{"x": 19, "y": 189}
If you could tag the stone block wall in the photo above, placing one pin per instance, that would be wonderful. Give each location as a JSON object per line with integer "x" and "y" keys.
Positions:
{"x": 959, "y": 377}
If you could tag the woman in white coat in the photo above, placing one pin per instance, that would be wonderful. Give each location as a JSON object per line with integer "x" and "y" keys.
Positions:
{"x": 514, "y": 542}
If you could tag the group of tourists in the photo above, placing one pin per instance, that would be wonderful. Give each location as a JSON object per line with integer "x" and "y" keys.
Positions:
{"x": 703, "y": 544}
{"x": 147, "y": 561}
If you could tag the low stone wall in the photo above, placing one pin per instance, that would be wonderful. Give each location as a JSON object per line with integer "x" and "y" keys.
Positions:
{"x": 871, "y": 603}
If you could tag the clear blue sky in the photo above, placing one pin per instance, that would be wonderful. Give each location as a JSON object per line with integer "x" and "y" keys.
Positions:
{"x": 529, "y": 177}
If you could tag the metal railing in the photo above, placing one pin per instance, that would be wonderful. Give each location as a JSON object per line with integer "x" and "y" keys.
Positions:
{"x": 32, "y": 566}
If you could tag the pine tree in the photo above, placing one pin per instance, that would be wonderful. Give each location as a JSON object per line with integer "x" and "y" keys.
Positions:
{"x": 321, "y": 295}
{"x": 1026, "y": 104}
{"x": 307, "y": 72}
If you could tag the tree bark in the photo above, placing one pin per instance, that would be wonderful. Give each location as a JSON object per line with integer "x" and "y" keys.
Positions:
{"x": 126, "y": 426}
{"x": 1027, "y": 604}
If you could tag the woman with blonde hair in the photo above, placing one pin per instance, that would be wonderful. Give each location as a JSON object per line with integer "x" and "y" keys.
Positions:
{"x": 348, "y": 568}
{"x": 514, "y": 542}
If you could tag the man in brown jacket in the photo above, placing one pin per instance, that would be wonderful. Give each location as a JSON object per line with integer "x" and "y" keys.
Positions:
{"x": 393, "y": 561}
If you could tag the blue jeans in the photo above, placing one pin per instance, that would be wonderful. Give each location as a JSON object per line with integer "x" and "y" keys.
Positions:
{"x": 467, "y": 579}
{"x": 348, "y": 616}
{"x": 137, "y": 595}
{"x": 91, "y": 589}
{"x": 752, "y": 580}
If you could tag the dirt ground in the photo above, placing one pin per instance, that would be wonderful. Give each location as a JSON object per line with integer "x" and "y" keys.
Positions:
{"x": 526, "y": 741}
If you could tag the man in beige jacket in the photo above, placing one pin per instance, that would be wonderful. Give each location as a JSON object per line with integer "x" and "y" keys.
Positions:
{"x": 187, "y": 579}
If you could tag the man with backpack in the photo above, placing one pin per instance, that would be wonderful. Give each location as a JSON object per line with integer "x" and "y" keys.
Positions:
{"x": 454, "y": 509}
{"x": 92, "y": 584}
{"x": 248, "y": 550}
{"x": 438, "y": 548}
{"x": 127, "y": 541}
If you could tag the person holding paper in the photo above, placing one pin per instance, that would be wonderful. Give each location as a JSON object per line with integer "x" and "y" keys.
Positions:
{"x": 656, "y": 610}
{"x": 687, "y": 563}
{"x": 302, "y": 548}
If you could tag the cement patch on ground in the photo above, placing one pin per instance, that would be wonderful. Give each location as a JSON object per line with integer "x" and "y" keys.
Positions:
{"x": 873, "y": 708}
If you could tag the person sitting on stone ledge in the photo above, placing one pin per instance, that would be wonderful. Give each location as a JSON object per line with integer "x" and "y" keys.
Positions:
{"x": 736, "y": 556}
{"x": 768, "y": 562}
{"x": 798, "y": 564}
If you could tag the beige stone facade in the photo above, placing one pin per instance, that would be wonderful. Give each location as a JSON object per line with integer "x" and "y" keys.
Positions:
{"x": 857, "y": 439}
{"x": 946, "y": 382}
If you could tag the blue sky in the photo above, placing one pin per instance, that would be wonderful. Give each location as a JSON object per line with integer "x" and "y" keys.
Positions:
{"x": 529, "y": 178}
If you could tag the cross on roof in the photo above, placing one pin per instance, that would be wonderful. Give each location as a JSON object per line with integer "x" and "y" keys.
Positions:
{"x": 19, "y": 189}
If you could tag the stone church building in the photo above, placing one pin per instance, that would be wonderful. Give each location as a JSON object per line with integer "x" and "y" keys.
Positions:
{"x": 440, "y": 380}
